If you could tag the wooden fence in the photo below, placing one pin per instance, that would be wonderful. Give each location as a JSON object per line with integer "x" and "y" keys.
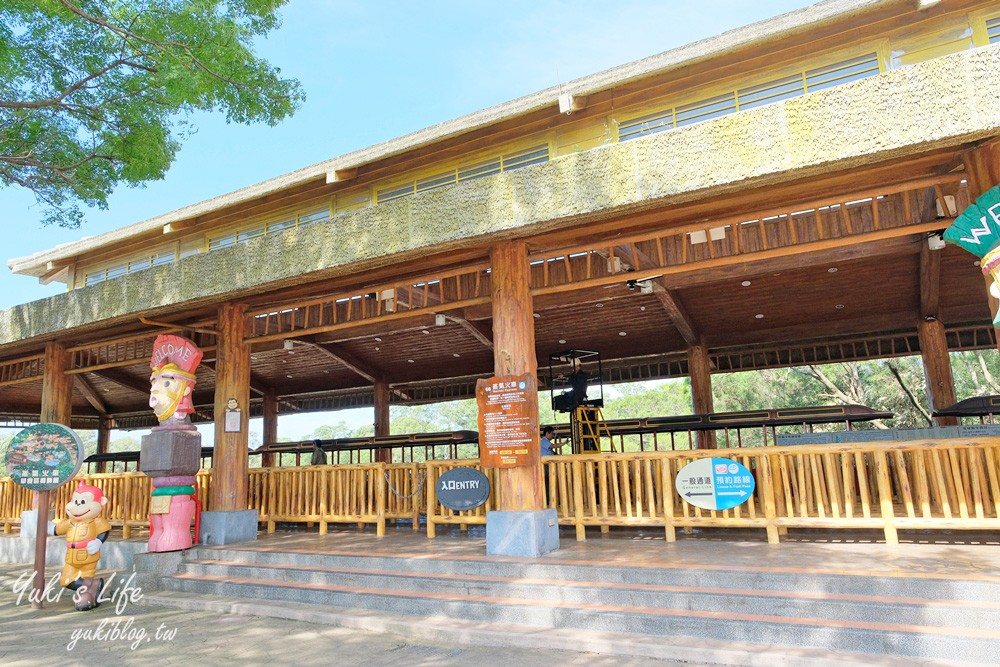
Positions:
{"x": 934, "y": 485}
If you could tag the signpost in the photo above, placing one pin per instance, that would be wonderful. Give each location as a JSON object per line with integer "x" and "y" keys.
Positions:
{"x": 41, "y": 458}
{"x": 508, "y": 421}
{"x": 715, "y": 483}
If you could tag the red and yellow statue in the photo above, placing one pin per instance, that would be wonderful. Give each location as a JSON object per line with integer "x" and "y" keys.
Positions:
{"x": 172, "y": 380}
{"x": 85, "y": 530}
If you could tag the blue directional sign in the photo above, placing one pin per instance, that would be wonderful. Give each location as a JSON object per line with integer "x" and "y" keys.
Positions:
{"x": 715, "y": 484}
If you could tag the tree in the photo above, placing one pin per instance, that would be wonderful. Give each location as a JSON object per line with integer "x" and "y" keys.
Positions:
{"x": 94, "y": 93}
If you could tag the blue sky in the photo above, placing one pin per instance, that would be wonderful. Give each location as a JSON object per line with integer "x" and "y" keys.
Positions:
{"x": 375, "y": 70}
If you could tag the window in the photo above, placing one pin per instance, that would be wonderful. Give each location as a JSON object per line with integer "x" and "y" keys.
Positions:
{"x": 993, "y": 30}
{"x": 750, "y": 97}
{"x": 507, "y": 162}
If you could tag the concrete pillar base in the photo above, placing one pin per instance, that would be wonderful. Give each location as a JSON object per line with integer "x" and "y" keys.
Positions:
{"x": 228, "y": 527}
{"x": 528, "y": 533}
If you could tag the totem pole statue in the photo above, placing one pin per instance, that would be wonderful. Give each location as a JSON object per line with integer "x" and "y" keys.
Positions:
{"x": 85, "y": 530}
{"x": 978, "y": 231}
{"x": 171, "y": 454}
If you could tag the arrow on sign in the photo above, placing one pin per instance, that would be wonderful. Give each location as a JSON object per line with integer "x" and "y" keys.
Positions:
{"x": 689, "y": 494}
{"x": 731, "y": 493}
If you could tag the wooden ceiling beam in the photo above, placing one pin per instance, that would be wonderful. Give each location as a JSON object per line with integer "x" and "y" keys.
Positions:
{"x": 354, "y": 363}
{"x": 930, "y": 282}
{"x": 479, "y": 331}
{"x": 122, "y": 379}
{"x": 88, "y": 393}
{"x": 675, "y": 311}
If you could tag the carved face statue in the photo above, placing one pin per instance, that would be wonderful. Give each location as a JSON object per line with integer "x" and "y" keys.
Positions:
{"x": 168, "y": 388}
{"x": 84, "y": 506}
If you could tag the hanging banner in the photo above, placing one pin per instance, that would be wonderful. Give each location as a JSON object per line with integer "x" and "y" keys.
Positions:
{"x": 508, "y": 421}
{"x": 715, "y": 484}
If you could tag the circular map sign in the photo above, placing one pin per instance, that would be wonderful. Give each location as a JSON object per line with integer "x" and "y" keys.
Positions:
{"x": 462, "y": 489}
{"x": 715, "y": 484}
{"x": 44, "y": 456}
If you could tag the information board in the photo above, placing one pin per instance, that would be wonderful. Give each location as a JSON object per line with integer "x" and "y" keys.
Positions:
{"x": 715, "y": 484}
{"x": 508, "y": 421}
{"x": 44, "y": 456}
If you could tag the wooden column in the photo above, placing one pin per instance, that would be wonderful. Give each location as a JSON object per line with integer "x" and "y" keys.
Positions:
{"x": 104, "y": 426}
{"x": 270, "y": 434}
{"x": 514, "y": 354}
{"x": 57, "y": 408}
{"x": 937, "y": 368}
{"x": 382, "y": 418}
{"x": 232, "y": 380}
{"x": 982, "y": 166}
{"x": 700, "y": 372}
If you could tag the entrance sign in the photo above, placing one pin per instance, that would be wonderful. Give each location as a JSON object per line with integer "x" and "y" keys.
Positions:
{"x": 462, "y": 489}
{"x": 508, "y": 421}
{"x": 44, "y": 456}
{"x": 715, "y": 484}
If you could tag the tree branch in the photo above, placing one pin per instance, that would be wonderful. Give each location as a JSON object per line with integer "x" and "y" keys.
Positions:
{"x": 57, "y": 100}
{"x": 902, "y": 385}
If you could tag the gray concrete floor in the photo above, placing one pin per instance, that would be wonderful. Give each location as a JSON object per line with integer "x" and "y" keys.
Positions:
{"x": 46, "y": 637}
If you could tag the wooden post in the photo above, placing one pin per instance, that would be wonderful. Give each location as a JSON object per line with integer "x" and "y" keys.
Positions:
{"x": 104, "y": 426}
{"x": 937, "y": 368}
{"x": 57, "y": 408}
{"x": 700, "y": 372}
{"x": 982, "y": 166}
{"x": 270, "y": 434}
{"x": 514, "y": 354}
{"x": 382, "y": 418}
{"x": 232, "y": 371}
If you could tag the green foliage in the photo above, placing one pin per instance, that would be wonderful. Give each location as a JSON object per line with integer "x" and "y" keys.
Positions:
{"x": 94, "y": 93}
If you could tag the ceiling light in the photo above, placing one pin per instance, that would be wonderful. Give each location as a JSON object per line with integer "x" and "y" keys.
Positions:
{"x": 746, "y": 283}
{"x": 599, "y": 305}
{"x": 759, "y": 316}
{"x": 409, "y": 361}
{"x": 832, "y": 269}
{"x": 642, "y": 308}
{"x": 377, "y": 348}
{"x": 622, "y": 333}
{"x": 288, "y": 344}
{"x": 537, "y": 315}
{"x": 426, "y": 331}
{"x": 839, "y": 306}
{"x": 440, "y": 320}
{"x": 562, "y": 341}
{"x": 289, "y": 377}
{"x": 455, "y": 354}
{"x": 377, "y": 339}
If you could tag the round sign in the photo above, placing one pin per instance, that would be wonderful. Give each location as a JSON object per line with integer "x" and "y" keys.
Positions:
{"x": 462, "y": 489}
{"x": 715, "y": 484}
{"x": 44, "y": 456}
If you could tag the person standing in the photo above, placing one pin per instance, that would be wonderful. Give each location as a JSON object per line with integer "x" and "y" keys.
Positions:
{"x": 546, "y": 442}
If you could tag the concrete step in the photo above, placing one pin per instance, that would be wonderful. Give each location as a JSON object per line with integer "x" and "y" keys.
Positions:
{"x": 984, "y": 614}
{"x": 812, "y": 578}
{"x": 695, "y": 651}
{"x": 858, "y": 634}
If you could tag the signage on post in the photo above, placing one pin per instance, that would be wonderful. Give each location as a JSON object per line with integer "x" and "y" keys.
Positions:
{"x": 508, "y": 421}
{"x": 44, "y": 456}
{"x": 715, "y": 484}
{"x": 462, "y": 489}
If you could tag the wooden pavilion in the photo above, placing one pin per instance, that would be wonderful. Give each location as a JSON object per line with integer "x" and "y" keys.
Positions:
{"x": 768, "y": 197}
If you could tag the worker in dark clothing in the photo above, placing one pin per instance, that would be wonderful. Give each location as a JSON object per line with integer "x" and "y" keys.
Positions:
{"x": 319, "y": 455}
{"x": 577, "y": 394}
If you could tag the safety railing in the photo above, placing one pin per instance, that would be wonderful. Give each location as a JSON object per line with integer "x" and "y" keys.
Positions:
{"x": 943, "y": 484}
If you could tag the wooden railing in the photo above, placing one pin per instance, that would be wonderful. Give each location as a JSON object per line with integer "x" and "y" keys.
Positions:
{"x": 888, "y": 486}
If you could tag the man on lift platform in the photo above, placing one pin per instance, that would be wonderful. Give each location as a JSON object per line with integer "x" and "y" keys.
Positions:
{"x": 585, "y": 413}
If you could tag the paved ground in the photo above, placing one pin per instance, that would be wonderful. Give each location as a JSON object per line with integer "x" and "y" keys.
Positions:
{"x": 58, "y": 635}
